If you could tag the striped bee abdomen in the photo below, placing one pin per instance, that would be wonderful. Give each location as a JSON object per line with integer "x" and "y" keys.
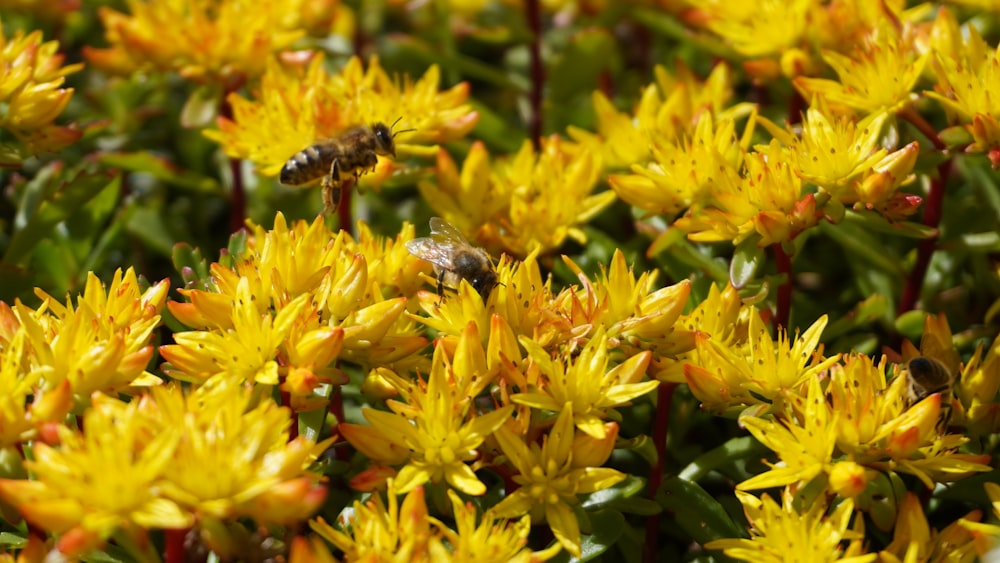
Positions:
{"x": 311, "y": 163}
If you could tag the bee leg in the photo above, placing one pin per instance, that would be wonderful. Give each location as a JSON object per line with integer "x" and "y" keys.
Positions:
{"x": 371, "y": 161}
{"x": 944, "y": 418}
{"x": 440, "y": 287}
{"x": 331, "y": 188}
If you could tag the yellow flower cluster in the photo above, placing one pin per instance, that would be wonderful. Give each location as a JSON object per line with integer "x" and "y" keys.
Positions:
{"x": 533, "y": 200}
{"x": 213, "y": 454}
{"x": 968, "y": 82}
{"x": 295, "y": 301}
{"x": 732, "y": 193}
{"x": 32, "y": 94}
{"x": 52, "y": 359}
{"x": 295, "y": 106}
{"x": 407, "y": 530}
{"x": 210, "y": 41}
{"x": 439, "y": 430}
{"x": 838, "y": 425}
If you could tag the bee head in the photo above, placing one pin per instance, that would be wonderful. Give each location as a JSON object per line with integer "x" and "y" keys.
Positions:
{"x": 484, "y": 283}
{"x": 384, "y": 145}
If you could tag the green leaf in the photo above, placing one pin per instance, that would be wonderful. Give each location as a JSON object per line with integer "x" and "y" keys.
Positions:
{"x": 744, "y": 447}
{"x": 874, "y": 221}
{"x": 858, "y": 242}
{"x": 911, "y": 324}
{"x": 237, "y": 245}
{"x": 641, "y": 445}
{"x": 747, "y": 258}
{"x": 11, "y": 155}
{"x": 755, "y": 292}
{"x": 52, "y": 210}
{"x": 702, "y": 517}
{"x": 202, "y": 106}
{"x": 873, "y": 308}
{"x": 163, "y": 170}
{"x": 955, "y": 137}
{"x": 985, "y": 180}
{"x": 12, "y": 464}
{"x": 312, "y": 423}
{"x": 147, "y": 224}
{"x": 631, "y": 486}
{"x": 15, "y": 541}
{"x": 190, "y": 264}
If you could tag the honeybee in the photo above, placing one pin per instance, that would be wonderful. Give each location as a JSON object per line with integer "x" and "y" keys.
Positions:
{"x": 926, "y": 376}
{"x": 454, "y": 258}
{"x": 355, "y": 151}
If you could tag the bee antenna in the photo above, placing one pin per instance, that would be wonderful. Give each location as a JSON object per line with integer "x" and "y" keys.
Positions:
{"x": 403, "y": 131}
{"x": 395, "y": 122}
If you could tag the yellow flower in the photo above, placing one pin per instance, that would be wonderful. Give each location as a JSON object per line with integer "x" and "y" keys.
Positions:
{"x": 246, "y": 352}
{"x": 986, "y": 537}
{"x": 767, "y": 202}
{"x": 778, "y": 532}
{"x": 667, "y": 110}
{"x": 209, "y": 41}
{"x": 522, "y": 302}
{"x": 968, "y": 80}
{"x": 914, "y": 539}
{"x": 102, "y": 344}
{"x": 71, "y": 494}
{"x": 492, "y": 540}
{"x": 16, "y": 388}
{"x": 390, "y": 265}
{"x": 31, "y": 93}
{"x": 758, "y": 28}
{"x": 297, "y": 299}
{"x": 721, "y": 316}
{"x": 295, "y": 107}
{"x": 469, "y": 199}
{"x": 635, "y": 316}
{"x": 723, "y": 376}
{"x": 550, "y": 481}
{"x": 260, "y": 473}
{"x": 685, "y": 170}
{"x": 977, "y": 389}
{"x": 584, "y": 383}
{"x": 384, "y": 531}
{"x": 861, "y": 84}
{"x": 831, "y": 152}
{"x": 877, "y": 430}
{"x": 804, "y": 442}
{"x": 438, "y": 424}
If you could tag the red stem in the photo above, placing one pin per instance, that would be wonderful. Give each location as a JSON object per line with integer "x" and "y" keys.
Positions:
{"x": 174, "y": 545}
{"x": 344, "y": 220}
{"x": 664, "y": 395}
{"x": 238, "y": 197}
{"x": 533, "y": 17}
{"x": 783, "y": 262}
{"x": 933, "y": 208}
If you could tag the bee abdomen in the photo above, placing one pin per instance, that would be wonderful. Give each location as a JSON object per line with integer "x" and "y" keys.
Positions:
{"x": 307, "y": 165}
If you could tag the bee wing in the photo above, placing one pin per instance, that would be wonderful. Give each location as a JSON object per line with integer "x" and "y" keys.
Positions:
{"x": 432, "y": 250}
{"x": 445, "y": 232}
